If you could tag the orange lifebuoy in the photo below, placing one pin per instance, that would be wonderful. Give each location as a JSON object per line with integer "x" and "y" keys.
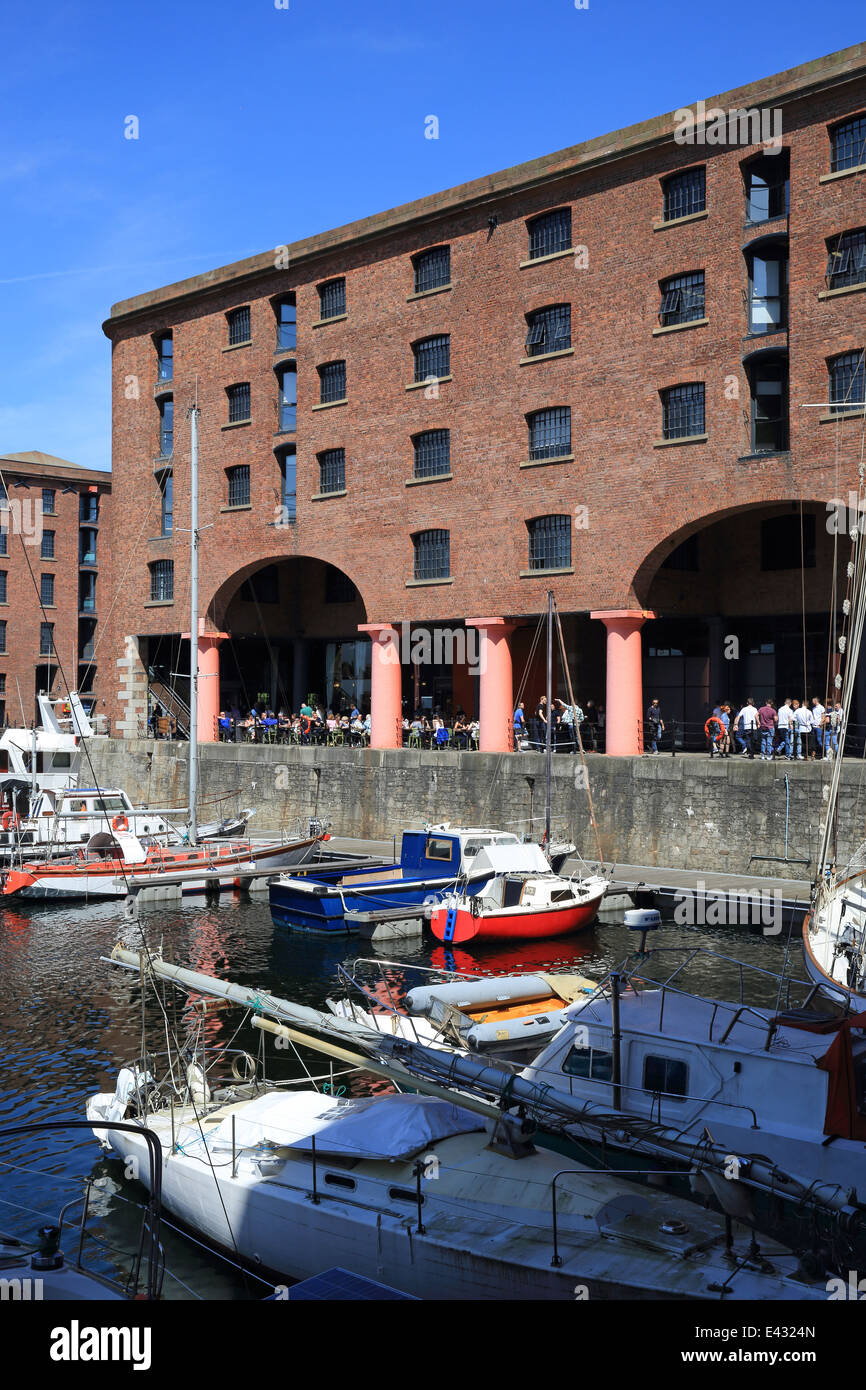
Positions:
{"x": 717, "y": 737}
{"x": 120, "y": 823}
{"x": 9, "y": 820}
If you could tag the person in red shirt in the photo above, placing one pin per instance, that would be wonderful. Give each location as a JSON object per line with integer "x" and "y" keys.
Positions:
{"x": 767, "y": 720}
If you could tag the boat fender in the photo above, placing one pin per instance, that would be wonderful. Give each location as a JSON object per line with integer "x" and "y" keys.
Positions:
{"x": 243, "y": 1067}
{"x": 198, "y": 1087}
{"x": 120, "y": 823}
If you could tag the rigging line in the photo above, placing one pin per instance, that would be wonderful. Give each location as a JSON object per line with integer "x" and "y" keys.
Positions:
{"x": 577, "y": 733}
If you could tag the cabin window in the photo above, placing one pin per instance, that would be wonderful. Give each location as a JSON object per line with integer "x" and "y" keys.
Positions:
{"x": 78, "y": 806}
{"x": 439, "y": 849}
{"x": 62, "y": 759}
{"x": 405, "y": 1194}
{"x": 338, "y": 1180}
{"x": 666, "y": 1075}
{"x": 589, "y": 1062}
{"x": 562, "y": 895}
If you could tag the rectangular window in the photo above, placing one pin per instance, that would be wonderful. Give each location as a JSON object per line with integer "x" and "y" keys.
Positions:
{"x": 166, "y": 426}
{"x": 288, "y": 401}
{"x": 332, "y": 382}
{"x": 239, "y": 325}
{"x": 783, "y": 546}
{"x": 667, "y": 1075}
{"x": 548, "y": 330}
{"x": 46, "y": 639}
{"x": 685, "y": 194}
{"x": 847, "y": 383}
{"x": 439, "y": 849}
{"x": 87, "y": 547}
{"x": 846, "y": 260}
{"x": 88, "y": 506}
{"x": 550, "y": 543}
{"x": 432, "y": 554}
{"x": 848, "y": 144}
{"x": 432, "y": 357}
{"x": 165, "y": 357}
{"x": 287, "y": 323}
{"x": 239, "y": 402}
{"x": 48, "y": 496}
{"x": 683, "y": 411}
{"x": 162, "y": 581}
{"x": 166, "y": 504}
{"x": 4, "y": 536}
{"x": 550, "y": 233}
{"x": 682, "y": 298}
{"x": 86, "y": 593}
{"x": 289, "y": 485}
{"x": 432, "y": 453}
{"x": 332, "y": 470}
{"x": 767, "y": 180}
{"x": 432, "y": 269}
{"x": 3, "y": 692}
{"x": 3, "y": 635}
{"x": 3, "y": 578}
{"x": 332, "y": 299}
{"x": 239, "y": 485}
{"x": 550, "y": 433}
{"x": 590, "y": 1062}
{"x": 46, "y": 590}
{"x": 47, "y": 545}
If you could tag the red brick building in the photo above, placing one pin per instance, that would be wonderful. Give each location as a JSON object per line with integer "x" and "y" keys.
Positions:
{"x": 51, "y": 516}
{"x": 631, "y": 372}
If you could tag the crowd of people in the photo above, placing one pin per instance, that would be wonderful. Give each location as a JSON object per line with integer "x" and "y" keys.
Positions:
{"x": 796, "y": 731}
{"x": 570, "y": 726}
{"x": 309, "y": 725}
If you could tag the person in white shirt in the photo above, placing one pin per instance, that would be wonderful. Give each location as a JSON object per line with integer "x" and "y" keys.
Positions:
{"x": 749, "y": 716}
{"x": 802, "y": 725}
{"x": 817, "y": 716}
{"x": 786, "y": 728}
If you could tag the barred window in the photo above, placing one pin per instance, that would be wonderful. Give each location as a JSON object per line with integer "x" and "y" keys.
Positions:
{"x": 332, "y": 299}
{"x": 47, "y": 545}
{"x": 550, "y": 233}
{"x": 550, "y": 433}
{"x": 4, "y": 537}
{"x": 3, "y": 577}
{"x": 166, "y": 426}
{"x": 239, "y": 401}
{"x": 288, "y": 398}
{"x": 239, "y": 485}
{"x": 432, "y": 268}
{"x": 432, "y": 554}
{"x": 548, "y": 330}
{"x": 161, "y": 581}
{"x": 239, "y": 325}
{"x": 549, "y": 543}
{"x": 846, "y": 259}
{"x": 287, "y": 323}
{"x": 432, "y": 453}
{"x": 46, "y": 590}
{"x": 46, "y": 639}
{"x": 685, "y": 193}
{"x": 683, "y": 298}
{"x": 332, "y": 470}
{"x": 848, "y": 144}
{"x": 164, "y": 357}
{"x": 847, "y": 383}
{"x": 3, "y": 635}
{"x": 48, "y": 496}
{"x": 332, "y": 378}
{"x": 432, "y": 357}
{"x": 683, "y": 410}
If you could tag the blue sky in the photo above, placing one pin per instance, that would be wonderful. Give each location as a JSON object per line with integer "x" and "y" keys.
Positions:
{"x": 260, "y": 125}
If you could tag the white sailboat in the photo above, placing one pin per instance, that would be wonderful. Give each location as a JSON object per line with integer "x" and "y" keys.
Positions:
{"x": 438, "y": 1193}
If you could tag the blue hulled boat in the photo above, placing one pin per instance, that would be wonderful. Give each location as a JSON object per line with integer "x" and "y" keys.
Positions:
{"x": 432, "y": 862}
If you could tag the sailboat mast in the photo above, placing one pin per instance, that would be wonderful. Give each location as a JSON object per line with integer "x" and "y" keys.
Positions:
{"x": 193, "y": 623}
{"x": 549, "y": 715}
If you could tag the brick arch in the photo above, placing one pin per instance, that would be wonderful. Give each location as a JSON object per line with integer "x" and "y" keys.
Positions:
{"x": 652, "y": 561}
{"x": 221, "y": 598}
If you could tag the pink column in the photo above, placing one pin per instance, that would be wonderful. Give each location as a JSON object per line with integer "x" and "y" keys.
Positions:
{"x": 208, "y": 666}
{"x": 386, "y": 686}
{"x": 624, "y": 693}
{"x": 497, "y": 690}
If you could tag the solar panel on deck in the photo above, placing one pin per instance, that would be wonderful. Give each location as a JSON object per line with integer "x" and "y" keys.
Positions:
{"x": 340, "y": 1284}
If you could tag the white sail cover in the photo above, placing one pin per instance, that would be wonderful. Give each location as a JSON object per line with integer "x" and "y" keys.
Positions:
{"x": 511, "y": 859}
{"x": 385, "y": 1127}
